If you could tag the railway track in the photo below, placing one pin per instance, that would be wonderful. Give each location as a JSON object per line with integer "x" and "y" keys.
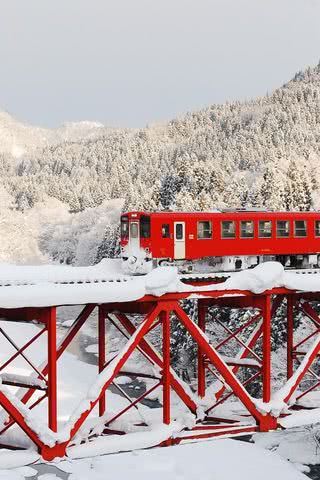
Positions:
{"x": 69, "y": 282}
{"x": 217, "y": 277}
{"x": 223, "y": 276}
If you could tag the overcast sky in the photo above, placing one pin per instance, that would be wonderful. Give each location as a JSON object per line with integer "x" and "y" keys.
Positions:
{"x": 132, "y": 62}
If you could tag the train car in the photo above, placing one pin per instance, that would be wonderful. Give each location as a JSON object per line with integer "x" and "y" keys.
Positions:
{"x": 220, "y": 241}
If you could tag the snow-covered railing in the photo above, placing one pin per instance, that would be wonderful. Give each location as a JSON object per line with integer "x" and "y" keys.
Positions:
{"x": 53, "y": 285}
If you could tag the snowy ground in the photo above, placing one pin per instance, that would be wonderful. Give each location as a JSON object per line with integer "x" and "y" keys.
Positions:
{"x": 219, "y": 459}
{"x": 211, "y": 460}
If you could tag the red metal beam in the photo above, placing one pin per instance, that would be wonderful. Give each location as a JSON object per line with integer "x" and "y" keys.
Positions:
{"x": 19, "y": 419}
{"x": 218, "y": 363}
{"x": 222, "y": 400}
{"x": 72, "y": 332}
{"x": 102, "y": 353}
{"x": 232, "y": 431}
{"x": 308, "y": 310}
{"x": 80, "y": 320}
{"x": 15, "y": 355}
{"x": 148, "y": 349}
{"x": 254, "y": 337}
{"x": 201, "y": 356}
{"x": 239, "y": 330}
{"x": 51, "y": 322}
{"x": 238, "y": 340}
{"x": 251, "y": 342}
{"x": 139, "y": 334}
{"x": 235, "y": 298}
{"x": 165, "y": 319}
{"x": 163, "y": 306}
{"x": 266, "y": 366}
{"x": 303, "y": 341}
{"x": 310, "y": 355}
{"x": 133, "y": 403}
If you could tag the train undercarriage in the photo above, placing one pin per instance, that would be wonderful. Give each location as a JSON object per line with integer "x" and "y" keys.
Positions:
{"x": 235, "y": 263}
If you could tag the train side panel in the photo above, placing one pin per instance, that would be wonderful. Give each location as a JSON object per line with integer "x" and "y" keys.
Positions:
{"x": 193, "y": 236}
{"x": 195, "y": 248}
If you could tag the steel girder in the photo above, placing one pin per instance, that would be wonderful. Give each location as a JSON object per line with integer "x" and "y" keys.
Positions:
{"x": 252, "y": 335}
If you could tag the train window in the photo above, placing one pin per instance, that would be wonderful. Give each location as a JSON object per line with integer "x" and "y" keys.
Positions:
{"x": 265, "y": 229}
{"x": 300, "y": 228}
{"x": 179, "y": 231}
{"x": 124, "y": 227}
{"x": 228, "y": 229}
{"x": 144, "y": 226}
{"x": 317, "y": 228}
{"x": 246, "y": 229}
{"x": 204, "y": 229}
{"x": 134, "y": 232}
{"x": 165, "y": 229}
{"x": 283, "y": 228}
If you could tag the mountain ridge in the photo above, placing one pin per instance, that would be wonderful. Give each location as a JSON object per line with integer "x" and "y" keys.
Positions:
{"x": 18, "y": 138}
{"x": 262, "y": 152}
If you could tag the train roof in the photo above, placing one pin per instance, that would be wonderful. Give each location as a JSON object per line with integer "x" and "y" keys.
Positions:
{"x": 227, "y": 212}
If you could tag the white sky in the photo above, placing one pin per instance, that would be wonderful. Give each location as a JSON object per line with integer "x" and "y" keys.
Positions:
{"x": 130, "y": 62}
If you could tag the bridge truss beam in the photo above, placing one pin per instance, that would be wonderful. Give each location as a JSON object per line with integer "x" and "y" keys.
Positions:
{"x": 220, "y": 377}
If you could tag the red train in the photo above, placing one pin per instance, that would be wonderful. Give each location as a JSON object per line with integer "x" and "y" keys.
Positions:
{"x": 220, "y": 241}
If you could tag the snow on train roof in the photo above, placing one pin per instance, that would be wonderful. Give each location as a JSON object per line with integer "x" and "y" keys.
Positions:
{"x": 48, "y": 285}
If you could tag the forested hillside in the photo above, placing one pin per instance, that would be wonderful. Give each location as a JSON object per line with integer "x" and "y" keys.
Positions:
{"x": 263, "y": 152}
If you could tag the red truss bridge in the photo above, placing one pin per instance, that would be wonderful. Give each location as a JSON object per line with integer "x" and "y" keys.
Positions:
{"x": 136, "y": 307}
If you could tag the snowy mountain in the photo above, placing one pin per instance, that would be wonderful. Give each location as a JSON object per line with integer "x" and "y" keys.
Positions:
{"x": 263, "y": 152}
{"x": 16, "y": 138}
{"x": 19, "y": 139}
{"x": 260, "y": 152}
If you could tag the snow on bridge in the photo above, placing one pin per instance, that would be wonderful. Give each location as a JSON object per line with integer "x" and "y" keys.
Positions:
{"x": 50, "y": 285}
{"x": 154, "y": 299}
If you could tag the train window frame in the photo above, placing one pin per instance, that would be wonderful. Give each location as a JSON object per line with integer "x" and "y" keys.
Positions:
{"x": 259, "y": 229}
{"x": 317, "y": 235}
{"x": 277, "y": 228}
{"x": 229, "y": 237}
{"x": 305, "y": 229}
{"x": 165, "y": 230}
{"x": 246, "y": 237}
{"x": 179, "y": 234}
{"x": 132, "y": 226}
{"x": 145, "y": 226}
{"x": 124, "y": 232}
{"x": 207, "y": 231}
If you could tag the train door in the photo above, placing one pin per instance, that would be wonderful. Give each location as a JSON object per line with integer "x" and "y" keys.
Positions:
{"x": 134, "y": 235}
{"x": 179, "y": 240}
